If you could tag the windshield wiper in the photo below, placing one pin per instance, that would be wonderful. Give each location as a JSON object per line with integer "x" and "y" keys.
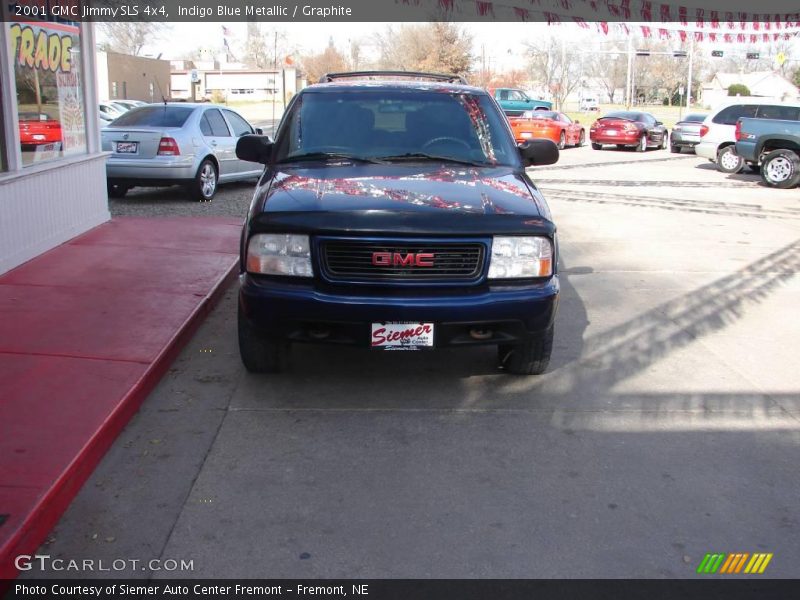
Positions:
{"x": 331, "y": 155}
{"x": 424, "y": 155}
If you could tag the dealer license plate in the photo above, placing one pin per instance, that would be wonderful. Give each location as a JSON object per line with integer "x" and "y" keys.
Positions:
{"x": 394, "y": 335}
{"x": 127, "y": 147}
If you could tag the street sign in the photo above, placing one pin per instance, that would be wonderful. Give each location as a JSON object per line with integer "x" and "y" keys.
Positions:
{"x": 717, "y": 53}
{"x": 781, "y": 58}
{"x": 752, "y": 55}
{"x": 195, "y": 76}
{"x": 681, "y": 89}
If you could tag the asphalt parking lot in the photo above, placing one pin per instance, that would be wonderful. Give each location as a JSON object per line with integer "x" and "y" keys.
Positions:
{"x": 667, "y": 426}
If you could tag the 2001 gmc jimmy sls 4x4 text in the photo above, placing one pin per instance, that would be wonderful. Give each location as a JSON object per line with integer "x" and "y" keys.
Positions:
{"x": 395, "y": 212}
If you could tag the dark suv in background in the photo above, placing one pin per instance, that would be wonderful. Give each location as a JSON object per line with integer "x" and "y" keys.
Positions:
{"x": 395, "y": 213}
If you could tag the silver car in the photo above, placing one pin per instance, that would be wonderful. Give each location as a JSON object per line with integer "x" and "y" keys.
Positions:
{"x": 176, "y": 143}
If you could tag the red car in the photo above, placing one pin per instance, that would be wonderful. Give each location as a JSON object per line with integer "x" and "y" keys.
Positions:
{"x": 549, "y": 124}
{"x": 638, "y": 130}
{"x": 36, "y": 129}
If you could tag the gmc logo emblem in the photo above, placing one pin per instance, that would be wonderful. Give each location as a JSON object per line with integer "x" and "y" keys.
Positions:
{"x": 399, "y": 259}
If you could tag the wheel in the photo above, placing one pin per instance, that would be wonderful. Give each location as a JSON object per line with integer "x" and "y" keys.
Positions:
{"x": 581, "y": 138}
{"x": 562, "y": 141}
{"x": 116, "y": 190}
{"x": 204, "y": 185}
{"x": 528, "y": 358}
{"x": 642, "y": 145}
{"x": 781, "y": 169}
{"x": 663, "y": 143}
{"x": 728, "y": 161}
{"x": 259, "y": 354}
{"x": 597, "y": 146}
{"x": 675, "y": 149}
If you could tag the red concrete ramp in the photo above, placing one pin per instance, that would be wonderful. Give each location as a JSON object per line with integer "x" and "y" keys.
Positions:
{"x": 86, "y": 331}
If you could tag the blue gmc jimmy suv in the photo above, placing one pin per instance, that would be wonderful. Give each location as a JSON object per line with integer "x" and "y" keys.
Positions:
{"x": 394, "y": 212}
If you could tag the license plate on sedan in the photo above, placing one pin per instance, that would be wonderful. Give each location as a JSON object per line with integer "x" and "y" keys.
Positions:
{"x": 394, "y": 335}
{"x": 610, "y": 132}
{"x": 127, "y": 147}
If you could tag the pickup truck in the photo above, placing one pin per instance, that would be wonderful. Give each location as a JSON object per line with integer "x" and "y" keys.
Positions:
{"x": 514, "y": 102}
{"x": 397, "y": 215}
{"x": 774, "y": 144}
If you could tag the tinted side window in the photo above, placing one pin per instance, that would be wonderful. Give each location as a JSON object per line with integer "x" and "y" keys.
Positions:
{"x": 205, "y": 127}
{"x": 240, "y": 126}
{"x": 730, "y": 115}
{"x": 503, "y": 94}
{"x": 786, "y": 113}
{"x": 218, "y": 126}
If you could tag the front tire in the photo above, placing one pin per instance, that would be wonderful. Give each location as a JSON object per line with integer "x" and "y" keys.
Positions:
{"x": 581, "y": 138}
{"x": 562, "y": 141}
{"x": 259, "y": 354}
{"x": 642, "y": 145}
{"x": 597, "y": 146}
{"x": 728, "y": 161}
{"x": 205, "y": 181}
{"x": 528, "y": 358}
{"x": 675, "y": 149}
{"x": 781, "y": 169}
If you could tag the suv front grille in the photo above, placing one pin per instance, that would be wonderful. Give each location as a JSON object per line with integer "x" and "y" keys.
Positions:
{"x": 349, "y": 260}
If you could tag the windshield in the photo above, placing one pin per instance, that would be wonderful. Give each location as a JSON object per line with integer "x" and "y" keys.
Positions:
{"x": 154, "y": 116}
{"x": 397, "y": 125}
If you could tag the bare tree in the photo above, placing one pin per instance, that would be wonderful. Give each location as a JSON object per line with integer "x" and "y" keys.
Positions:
{"x": 266, "y": 48}
{"x": 442, "y": 47}
{"x": 130, "y": 37}
{"x": 329, "y": 60}
{"x": 555, "y": 67}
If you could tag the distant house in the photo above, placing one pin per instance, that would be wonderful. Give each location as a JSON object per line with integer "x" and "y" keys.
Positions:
{"x": 764, "y": 84}
{"x": 124, "y": 77}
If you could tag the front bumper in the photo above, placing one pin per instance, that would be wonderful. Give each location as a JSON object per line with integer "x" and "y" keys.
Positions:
{"x": 311, "y": 312}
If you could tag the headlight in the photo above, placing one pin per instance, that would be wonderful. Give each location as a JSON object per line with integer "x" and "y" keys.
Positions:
{"x": 516, "y": 257}
{"x": 279, "y": 254}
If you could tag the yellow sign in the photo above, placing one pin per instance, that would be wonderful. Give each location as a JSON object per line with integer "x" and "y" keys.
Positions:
{"x": 781, "y": 58}
{"x": 41, "y": 49}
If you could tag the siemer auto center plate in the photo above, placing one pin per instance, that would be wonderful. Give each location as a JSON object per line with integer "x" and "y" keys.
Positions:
{"x": 394, "y": 335}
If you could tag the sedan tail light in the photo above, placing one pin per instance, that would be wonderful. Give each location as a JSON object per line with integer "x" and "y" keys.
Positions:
{"x": 167, "y": 146}
{"x": 703, "y": 130}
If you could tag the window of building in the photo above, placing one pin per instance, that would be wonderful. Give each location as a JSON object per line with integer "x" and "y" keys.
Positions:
{"x": 114, "y": 93}
{"x": 47, "y": 70}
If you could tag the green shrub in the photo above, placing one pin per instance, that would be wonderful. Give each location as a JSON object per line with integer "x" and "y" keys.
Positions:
{"x": 738, "y": 89}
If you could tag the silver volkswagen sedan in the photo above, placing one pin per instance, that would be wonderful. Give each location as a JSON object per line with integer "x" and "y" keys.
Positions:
{"x": 193, "y": 145}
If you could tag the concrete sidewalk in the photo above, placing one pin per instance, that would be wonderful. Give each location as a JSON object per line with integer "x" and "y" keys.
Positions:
{"x": 88, "y": 329}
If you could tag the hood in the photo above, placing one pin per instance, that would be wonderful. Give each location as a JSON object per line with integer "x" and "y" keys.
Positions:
{"x": 403, "y": 188}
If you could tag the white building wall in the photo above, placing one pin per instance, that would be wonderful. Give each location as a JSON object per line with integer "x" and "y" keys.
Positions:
{"x": 47, "y": 204}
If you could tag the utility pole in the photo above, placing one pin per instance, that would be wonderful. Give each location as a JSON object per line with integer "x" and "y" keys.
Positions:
{"x": 689, "y": 82}
{"x": 628, "y": 79}
{"x": 275, "y": 74}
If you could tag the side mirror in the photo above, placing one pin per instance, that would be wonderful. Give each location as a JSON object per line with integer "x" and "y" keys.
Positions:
{"x": 577, "y": 122}
{"x": 538, "y": 152}
{"x": 259, "y": 131}
{"x": 254, "y": 148}
{"x": 659, "y": 123}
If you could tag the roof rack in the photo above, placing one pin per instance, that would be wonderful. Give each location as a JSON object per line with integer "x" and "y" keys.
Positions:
{"x": 328, "y": 77}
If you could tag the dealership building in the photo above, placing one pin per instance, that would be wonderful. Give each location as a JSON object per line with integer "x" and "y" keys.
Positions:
{"x": 52, "y": 172}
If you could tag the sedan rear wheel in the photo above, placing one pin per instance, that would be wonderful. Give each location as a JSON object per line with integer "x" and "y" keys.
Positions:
{"x": 728, "y": 161}
{"x": 116, "y": 190}
{"x": 781, "y": 169}
{"x": 204, "y": 185}
{"x": 597, "y": 146}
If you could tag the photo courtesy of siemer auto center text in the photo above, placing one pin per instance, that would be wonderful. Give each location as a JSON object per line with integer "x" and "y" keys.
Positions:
{"x": 400, "y": 299}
